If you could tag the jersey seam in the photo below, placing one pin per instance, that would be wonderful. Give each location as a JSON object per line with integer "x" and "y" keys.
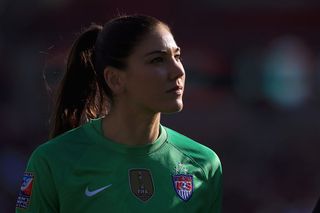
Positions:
{"x": 161, "y": 146}
{"x": 191, "y": 158}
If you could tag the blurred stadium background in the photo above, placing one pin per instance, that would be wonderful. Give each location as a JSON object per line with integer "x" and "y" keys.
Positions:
{"x": 253, "y": 89}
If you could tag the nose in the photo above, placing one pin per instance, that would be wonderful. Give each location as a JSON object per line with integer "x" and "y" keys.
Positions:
{"x": 176, "y": 70}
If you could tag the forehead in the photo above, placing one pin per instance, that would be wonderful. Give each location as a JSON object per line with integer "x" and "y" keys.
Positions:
{"x": 159, "y": 39}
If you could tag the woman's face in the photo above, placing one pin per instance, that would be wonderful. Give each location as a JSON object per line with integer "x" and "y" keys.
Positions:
{"x": 154, "y": 75}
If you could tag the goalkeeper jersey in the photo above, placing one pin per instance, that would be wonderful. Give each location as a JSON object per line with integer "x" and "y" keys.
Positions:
{"x": 83, "y": 171}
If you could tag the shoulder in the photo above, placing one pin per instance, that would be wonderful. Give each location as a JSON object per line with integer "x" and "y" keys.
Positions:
{"x": 69, "y": 144}
{"x": 188, "y": 145}
{"x": 201, "y": 154}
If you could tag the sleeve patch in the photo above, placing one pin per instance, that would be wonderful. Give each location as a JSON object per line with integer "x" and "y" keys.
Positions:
{"x": 24, "y": 196}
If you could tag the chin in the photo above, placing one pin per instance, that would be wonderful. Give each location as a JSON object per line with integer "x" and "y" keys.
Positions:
{"x": 173, "y": 109}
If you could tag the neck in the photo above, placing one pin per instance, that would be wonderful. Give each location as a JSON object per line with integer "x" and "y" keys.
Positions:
{"x": 131, "y": 128}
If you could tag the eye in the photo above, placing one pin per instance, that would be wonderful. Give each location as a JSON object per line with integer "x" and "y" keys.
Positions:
{"x": 157, "y": 60}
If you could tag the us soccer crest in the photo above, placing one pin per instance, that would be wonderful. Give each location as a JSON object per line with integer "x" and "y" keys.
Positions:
{"x": 24, "y": 196}
{"x": 182, "y": 182}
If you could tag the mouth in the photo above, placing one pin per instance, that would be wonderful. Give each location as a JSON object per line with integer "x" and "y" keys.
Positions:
{"x": 176, "y": 89}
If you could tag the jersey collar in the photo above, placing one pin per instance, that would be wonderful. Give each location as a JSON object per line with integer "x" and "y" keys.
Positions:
{"x": 95, "y": 129}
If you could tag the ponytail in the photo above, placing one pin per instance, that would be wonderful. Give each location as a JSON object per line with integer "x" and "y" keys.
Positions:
{"x": 83, "y": 93}
{"x": 80, "y": 95}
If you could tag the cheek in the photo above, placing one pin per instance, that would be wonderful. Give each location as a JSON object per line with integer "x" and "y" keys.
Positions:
{"x": 154, "y": 78}
{"x": 147, "y": 82}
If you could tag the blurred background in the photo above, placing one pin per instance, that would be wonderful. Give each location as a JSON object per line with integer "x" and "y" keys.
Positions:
{"x": 252, "y": 94}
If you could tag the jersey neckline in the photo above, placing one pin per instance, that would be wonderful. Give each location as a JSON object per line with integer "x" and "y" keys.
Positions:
{"x": 96, "y": 129}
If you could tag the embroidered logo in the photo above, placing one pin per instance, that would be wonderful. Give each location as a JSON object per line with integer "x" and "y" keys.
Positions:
{"x": 182, "y": 182}
{"x": 89, "y": 193}
{"x": 24, "y": 196}
{"x": 141, "y": 183}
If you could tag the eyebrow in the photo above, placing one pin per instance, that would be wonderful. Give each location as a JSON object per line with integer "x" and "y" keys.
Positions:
{"x": 161, "y": 52}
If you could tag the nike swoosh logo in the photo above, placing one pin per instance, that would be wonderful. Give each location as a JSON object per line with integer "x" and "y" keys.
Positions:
{"x": 89, "y": 193}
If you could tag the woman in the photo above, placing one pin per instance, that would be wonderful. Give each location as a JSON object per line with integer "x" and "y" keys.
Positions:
{"x": 109, "y": 152}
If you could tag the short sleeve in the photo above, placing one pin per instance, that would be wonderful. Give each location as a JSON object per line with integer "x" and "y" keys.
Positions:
{"x": 38, "y": 192}
{"x": 216, "y": 183}
{"x": 215, "y": 187}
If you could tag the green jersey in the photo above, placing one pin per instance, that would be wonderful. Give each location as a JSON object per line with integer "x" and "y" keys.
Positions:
{"x": 82, "y": 171}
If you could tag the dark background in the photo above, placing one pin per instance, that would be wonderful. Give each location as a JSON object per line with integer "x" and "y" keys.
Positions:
{"x": 252, "y": 94}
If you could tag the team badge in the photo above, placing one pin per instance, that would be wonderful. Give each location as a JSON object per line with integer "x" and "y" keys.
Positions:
{"x": 24, "y": 196}
{"x": 141, "y": 183}
{"x": 182, "y": 182}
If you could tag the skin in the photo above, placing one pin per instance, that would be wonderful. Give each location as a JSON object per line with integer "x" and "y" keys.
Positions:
{"x": 152, "y": 83}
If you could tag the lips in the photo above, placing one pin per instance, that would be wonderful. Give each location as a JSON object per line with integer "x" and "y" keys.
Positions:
{"x": 175, "y": 89}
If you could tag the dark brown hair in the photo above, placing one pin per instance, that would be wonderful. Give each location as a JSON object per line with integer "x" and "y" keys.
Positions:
{"x": 83, "y": 93}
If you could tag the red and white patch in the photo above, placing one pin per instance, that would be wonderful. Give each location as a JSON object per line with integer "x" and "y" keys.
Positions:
{"x": 183, "y": 185}
{"x": 24, "y": 196}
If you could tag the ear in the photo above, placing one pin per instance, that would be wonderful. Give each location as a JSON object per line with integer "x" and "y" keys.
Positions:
{"x": 114, "y": 79}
